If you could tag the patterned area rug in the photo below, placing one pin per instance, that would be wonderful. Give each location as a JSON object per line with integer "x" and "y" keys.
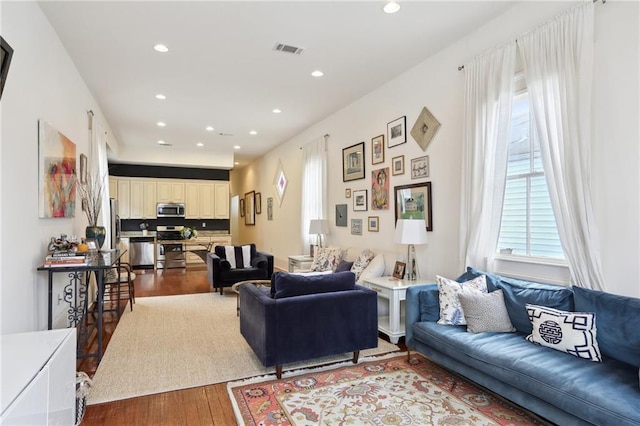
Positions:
{"x": 388, "y": 391}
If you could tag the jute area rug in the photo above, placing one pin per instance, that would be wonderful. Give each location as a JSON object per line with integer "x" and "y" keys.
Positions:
{"x": 385, "y": 391}
{"x": 177, "y": 342}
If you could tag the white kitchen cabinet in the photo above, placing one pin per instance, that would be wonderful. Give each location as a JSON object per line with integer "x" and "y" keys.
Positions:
{"x": 124, "y": 197}
{"x": 206, "y": 202}
{"x": 113, "y": 187}
{"x": 192, "y": 205}
{"x": 38, "y": 378}
{"x": 171, "y": 192}
{"x": 136, "y": 199}
{"x": 149, "y": 210}
{"x": 221, "y": 201}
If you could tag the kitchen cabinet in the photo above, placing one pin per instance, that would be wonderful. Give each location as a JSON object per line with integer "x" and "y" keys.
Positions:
{"x": 142, "y": 199}
{"x": 171, "y": 192}
{"x": 136, "y": 198}
{"x": 192, "y": 205}
{"x": 206, "y": 192}
{"x": 221, "y": 200}
{"x": 124, "y": 198}
{"x": 113, "y": 187}
{"x": 149, "y": 204}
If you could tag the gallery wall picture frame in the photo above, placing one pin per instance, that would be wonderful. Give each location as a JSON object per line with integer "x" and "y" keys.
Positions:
{"x": 6, "y": 53}
{"x": 397, "y": 165}
{"x": 360, "y": 203}
{"x": 414, "y": 202}
{"x": 270, "y": 208}
{"x": 397, "y": 132}
{"x": 377, "y": 150}
{"x": 280, "y": 182}
{"x": 356, "y": 226}
{"x": 353, "y": 162}
{"x": 373, "y": 223}
{"x": 380, "y": 189}
{"x": 420, "y": 167}
{"x": 250, "y": 208}
{"x": 241, "y": 207}
{"x": 425, "y": 128}
{"x": 341, "y": 215}
{"x": 258, "y": 203}
{"x": 347, "y": 193}
{"x": 398, "y": 270}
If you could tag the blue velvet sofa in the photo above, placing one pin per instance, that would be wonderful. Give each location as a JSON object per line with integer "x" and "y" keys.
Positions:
{"x": 306, "y": 317}
{"x": 557, "y": 386}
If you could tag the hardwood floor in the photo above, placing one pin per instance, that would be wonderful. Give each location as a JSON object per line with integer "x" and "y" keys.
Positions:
{"x": 207, "y": 405}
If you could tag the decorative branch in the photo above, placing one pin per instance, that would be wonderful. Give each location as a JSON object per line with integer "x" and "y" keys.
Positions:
{"x": 91, "y": 195}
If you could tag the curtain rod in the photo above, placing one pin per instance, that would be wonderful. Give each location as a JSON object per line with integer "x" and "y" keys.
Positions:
{"x": 461, "y": 67}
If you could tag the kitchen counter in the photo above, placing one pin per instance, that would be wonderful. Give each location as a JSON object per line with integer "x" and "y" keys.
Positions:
{"x": 130, "y": 234}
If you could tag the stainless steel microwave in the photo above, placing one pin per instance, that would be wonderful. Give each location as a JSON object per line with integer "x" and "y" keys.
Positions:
{"x": 170, "y": 210}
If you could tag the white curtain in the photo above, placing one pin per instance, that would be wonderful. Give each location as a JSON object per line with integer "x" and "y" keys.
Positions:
{"x": 487, "y": 117}
{"x": 99, "y": 167}
{"x": 314, "y": 185}
{"x": 558, "y": 65}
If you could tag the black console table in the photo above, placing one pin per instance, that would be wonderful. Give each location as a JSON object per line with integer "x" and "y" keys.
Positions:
{"x": 75, "y": 294}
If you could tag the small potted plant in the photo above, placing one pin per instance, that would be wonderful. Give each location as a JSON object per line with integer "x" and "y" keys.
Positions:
{"x": 188, "y": 233}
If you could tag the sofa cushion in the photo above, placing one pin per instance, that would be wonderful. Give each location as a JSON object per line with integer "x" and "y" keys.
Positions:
{"x": 288, "y": 285}
{"x": 570, "y": 332}
{"x": 429, "y": 303}
{"x": 238, "y": 256}
{"x": 326, "y": 259}
{"x": 374, "y": 269}
{"x": 343, "y": 266}
{"x": 619, "y": 334}
{"x": 485, "y": 312}
{"x": 361, "y": 262}
{"x": 518, "y": 293}
{"x": 451, "y": 311}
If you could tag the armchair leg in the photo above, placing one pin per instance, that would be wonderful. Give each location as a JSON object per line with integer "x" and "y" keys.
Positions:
{"x": 279, "y": 372}
{"x": 356, "y": 355}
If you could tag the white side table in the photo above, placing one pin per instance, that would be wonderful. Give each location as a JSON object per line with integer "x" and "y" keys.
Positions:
{"x": 392, "y": 291}
{"x": 299, "y": 262}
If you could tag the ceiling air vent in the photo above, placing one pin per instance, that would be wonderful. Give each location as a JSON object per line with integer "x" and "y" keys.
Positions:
{"x": 288, "y": 49}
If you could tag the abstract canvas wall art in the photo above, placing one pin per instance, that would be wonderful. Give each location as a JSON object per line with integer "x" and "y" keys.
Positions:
{"x": 56, "y": 173}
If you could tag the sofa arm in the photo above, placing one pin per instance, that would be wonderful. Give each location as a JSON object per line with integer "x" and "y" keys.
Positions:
{"x": 213, "y": 267}
{"x": 413, "y": 308}
{"x": 263, "y": 256}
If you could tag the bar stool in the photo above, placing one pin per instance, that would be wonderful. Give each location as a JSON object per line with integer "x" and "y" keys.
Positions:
{"x": 122, "y": 288}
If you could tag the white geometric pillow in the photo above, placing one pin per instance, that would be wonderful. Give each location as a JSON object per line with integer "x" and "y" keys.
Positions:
{"x": 570, "y": 332}
{"x": 450, "y": 309}
{"x": 362, "y": 262}
{"x": 326, "y": 259}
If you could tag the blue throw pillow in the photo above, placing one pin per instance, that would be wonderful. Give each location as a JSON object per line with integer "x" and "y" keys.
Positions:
{"x": 471, "y": 273}
{"x": 343, "y": 266}
{"x": 517, "y": 293}
{"x": 288, "y": 285}
{"x": 616, "y": 321}
{"x": 430, "y": 304}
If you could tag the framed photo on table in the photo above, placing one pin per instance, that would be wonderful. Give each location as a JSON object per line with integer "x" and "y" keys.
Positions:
{"x": 414, "y": 202}
{"x": 398, "y": 270}
{"x": 353, "y": 162}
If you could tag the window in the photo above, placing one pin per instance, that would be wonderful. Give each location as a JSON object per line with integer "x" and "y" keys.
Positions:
{"x": 528, "y": 225}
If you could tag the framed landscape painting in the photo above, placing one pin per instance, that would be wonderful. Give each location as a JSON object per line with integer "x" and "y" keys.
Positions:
{"x": 397, "y": 132}
{"x": 414, "y": 202}
{"x": 353, "y": 162}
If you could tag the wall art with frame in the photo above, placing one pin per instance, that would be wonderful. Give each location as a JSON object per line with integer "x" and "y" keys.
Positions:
{"x": 258, "y": 203}
{"x": 380, "y": 189}
{"x": 341, "y": 215}
{"x": 270, "y": 208}
{"x": 356, "y": 226}
{"x": 353, "y": 162}
{"x": 360, "y": 200}
{"x": 6, "y": 53}
{"x": 397, "y": 132}
{"x": 420, "y": 167}
{"x": 377, "y": 150}
{"x": 373, "y": 223}
{"x": 414, "y": 202}
{"x": 250, "y": 208}
{"x": 425, "y": 128}
{"x": 397, "y": 165}
{"x": 241, "y": 207}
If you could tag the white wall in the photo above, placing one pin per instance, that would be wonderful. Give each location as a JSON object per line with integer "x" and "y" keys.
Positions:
{"x": 437, "y": 84}
{"x": 44, "y": 84}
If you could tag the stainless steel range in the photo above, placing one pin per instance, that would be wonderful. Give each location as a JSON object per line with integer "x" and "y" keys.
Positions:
{"x": 170, "y": 249}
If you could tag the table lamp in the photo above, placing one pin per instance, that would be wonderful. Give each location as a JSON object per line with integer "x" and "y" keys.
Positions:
{"x": 319, "y": 227}
{"x": 411, "y": 231}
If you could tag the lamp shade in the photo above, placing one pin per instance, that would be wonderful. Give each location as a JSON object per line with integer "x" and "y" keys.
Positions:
{"x": 319, "y": 226}
{"x": 411, "y": 231}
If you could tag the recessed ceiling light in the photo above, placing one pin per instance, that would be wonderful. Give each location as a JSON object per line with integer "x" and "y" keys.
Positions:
{"x": 161, "y": 123}
{"x": 210, "y": 129}
{"x": 236, "y": 147}
{"x": 161, "y": 142}
{"x": 161, "y": 96}
{"x": 253, "y": 132}
{"x": 161, "y": 48}
{"x": 317, "y": 73}
{"x": 199, "y": 144}
{"x": 236, "y": 163}
{"x": 277, "y": 110}
{"x": 391, "y": 7}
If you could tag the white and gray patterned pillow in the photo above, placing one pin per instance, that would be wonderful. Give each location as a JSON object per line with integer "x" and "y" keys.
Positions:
{"x": 451, "y": 311}
{"x": 485, "y": 312}
{"x": 362, "y": 262}
{"x": 326, "y": 259}
{"x": 570, "y": 332}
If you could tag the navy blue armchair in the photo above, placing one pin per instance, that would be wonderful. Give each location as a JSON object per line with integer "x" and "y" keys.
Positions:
{"x": 307, "y": 317}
